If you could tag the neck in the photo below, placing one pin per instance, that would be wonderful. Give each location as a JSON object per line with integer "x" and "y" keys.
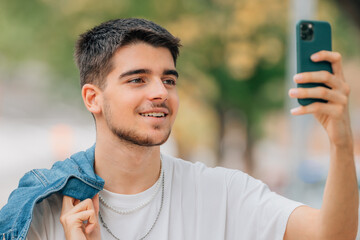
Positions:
{"x": 126, "y": 168}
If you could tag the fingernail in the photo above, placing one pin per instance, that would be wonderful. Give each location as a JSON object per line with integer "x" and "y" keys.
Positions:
{"x": 293, "y": 92}
{"x": 295, "y": 110}
{"x": 314, "y": 57}
{"x": 297, "y": 77}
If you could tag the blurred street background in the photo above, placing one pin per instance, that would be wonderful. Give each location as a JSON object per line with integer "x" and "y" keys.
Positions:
{"x": 236, "y": 66}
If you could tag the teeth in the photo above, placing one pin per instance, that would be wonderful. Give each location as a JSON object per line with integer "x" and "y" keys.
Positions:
{"x": 154, "y": 114}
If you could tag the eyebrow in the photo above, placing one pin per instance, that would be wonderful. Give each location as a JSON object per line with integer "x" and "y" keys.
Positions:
{"x": 133, "y": 72}
{"x": 147, "y": 71}
{"x": 171, "y": 72}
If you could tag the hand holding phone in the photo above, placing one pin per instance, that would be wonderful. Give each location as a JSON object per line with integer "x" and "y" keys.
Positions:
{"x": 312, "y": 37}
{"x": 324, "y": 75}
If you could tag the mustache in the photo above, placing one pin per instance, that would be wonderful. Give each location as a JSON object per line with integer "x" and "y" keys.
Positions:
{"x": 155, "y": 105}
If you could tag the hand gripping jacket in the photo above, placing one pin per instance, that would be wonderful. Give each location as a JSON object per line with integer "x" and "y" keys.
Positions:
{"x": 73, "y": 177}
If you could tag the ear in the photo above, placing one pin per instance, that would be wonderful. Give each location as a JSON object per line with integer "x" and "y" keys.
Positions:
{"x": 91, "y": 95}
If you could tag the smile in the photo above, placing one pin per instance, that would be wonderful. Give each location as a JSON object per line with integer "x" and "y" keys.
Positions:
{"x": 154, "y": 114}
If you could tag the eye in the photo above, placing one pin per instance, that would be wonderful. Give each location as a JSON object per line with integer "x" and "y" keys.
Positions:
{"x": 169, "y": 82}
{"x": 136, "y": 80}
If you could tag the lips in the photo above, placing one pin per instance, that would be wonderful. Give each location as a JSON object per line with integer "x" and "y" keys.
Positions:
{"x": 157, "y": 113}
{"x": 153, "y": 114}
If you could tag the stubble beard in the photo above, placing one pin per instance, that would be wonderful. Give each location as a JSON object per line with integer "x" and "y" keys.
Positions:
{"x": 131, "y": 136}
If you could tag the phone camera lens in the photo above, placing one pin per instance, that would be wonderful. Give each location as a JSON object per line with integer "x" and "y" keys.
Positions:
{"x": 306, "y": 31}
{"x": 303, "y": 26}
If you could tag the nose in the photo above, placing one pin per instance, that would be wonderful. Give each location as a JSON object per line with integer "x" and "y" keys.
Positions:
{"x": 158, "y": 90}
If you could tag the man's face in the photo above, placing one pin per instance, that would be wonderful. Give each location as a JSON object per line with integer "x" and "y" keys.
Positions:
{"x": 140, "y": 99}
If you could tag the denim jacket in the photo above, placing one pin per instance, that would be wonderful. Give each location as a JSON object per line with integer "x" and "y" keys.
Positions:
{"x": 74, "y": 177}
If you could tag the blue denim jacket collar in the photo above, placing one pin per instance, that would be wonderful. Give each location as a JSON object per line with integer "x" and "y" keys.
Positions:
{"x": 74, "y": 177}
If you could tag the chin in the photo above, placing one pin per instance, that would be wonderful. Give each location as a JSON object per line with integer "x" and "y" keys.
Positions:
{"x": 157, "y": 141}
{"x": 149, "y": 142}
{"x": 151, "y": 138}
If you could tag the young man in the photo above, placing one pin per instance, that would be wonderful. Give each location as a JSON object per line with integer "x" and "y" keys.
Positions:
{"x": 124, "y": 188}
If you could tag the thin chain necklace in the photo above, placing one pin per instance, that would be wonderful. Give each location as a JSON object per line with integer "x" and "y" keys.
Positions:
{"x": 157, "y": 216}
{"x": 140, "y": 206}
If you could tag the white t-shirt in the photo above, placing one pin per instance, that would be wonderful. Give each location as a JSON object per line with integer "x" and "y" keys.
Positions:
{"x": 199, "y": 203}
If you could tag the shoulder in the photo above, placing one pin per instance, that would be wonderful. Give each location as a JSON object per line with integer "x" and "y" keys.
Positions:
{"x": 235, "y": 180}
{"x": 198, "y": 171}
{"x": 78, "y": 164}
{"x": 43, "y": 177}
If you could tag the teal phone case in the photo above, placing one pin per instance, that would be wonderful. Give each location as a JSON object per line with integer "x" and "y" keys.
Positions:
{"x": 321, "y": 40}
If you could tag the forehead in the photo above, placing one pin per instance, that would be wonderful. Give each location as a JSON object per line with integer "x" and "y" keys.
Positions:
{"x": 142, "y": 55}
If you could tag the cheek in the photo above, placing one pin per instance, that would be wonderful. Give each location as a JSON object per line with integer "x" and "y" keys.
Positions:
{"x": 175, "y": 104}
{"x": 120, "y": 107}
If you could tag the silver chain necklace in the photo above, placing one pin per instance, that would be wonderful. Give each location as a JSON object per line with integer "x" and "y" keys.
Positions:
{"x": 157, "y": 216}
{"x": 140, "y": 206}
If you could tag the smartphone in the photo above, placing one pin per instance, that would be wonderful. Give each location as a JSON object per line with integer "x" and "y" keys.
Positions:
{"x": 311, "y": 37}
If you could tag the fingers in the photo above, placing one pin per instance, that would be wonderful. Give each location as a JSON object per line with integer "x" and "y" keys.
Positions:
{"x": 333, "y": 115}
{"x": 339, "y": 90}
{"x": 67, "y": 204}
{"x": 320, "y": 93}
{"x": 318, "y": 77}
{"x": 335, "y": 80}
{"x": 78, "y": 216}
{"x": 87, "y": 215}
{"x": 87, "y": 204}
{"x": 333, "y": 57}
{"x": 334, "y": 110}
{"x": 76, "y": 221}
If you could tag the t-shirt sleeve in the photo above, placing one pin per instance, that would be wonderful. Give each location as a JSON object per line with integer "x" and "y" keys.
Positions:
{"x": 45, "y": 223}
{"x": 255, "y": 212}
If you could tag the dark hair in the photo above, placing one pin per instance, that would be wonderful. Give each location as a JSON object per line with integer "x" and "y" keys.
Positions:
{"x": 95, "y": 48}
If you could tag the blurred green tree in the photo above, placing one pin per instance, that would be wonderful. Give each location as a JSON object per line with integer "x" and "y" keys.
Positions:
{"x": 239, "y": 45}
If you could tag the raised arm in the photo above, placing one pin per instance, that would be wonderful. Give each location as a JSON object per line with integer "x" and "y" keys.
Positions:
{"x": 338, "y": 216}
